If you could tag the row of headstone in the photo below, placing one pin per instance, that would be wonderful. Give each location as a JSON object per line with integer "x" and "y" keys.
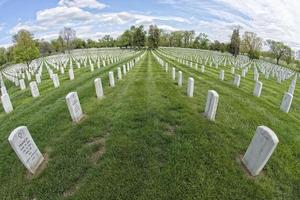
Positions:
{"x": 7, "y": 105}
{"x": 287, "y": 98}
{"x": 212, "y": 97}
{"x": 20, "y": 139}
{"x": 72, "y": 99}
{"x": 264, "y": 141}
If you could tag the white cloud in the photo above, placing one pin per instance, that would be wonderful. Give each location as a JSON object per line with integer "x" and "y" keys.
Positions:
{"x": 167, "y": 27}
{"x": 82, "y": 4}
{"x": 88, "y": 24}
{"x": 62, "y": 15}
{"x": 31, "y": 28}
{"x": 270, "y": 19}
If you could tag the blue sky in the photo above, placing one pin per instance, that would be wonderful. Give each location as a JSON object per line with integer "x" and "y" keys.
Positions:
{"x": 270, "y": 19}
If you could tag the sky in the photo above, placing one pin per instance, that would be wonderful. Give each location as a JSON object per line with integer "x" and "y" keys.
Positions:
{"x": 270, "y": 19}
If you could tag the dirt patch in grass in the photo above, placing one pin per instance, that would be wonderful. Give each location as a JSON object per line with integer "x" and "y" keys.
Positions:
{"x": 72, "y": 190}
{"x": 244, "y": 168}
{"x": 170, "y": 130}
{"x": 40, "y": 169}
{"x": 98, "y": 145}
{"x": 84, "y": 116}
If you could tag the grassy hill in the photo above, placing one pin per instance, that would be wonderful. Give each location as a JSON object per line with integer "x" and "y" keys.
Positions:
{"x": 147, "y": 140}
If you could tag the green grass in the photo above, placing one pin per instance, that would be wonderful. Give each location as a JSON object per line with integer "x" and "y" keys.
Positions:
{"x": 156, "y": 144}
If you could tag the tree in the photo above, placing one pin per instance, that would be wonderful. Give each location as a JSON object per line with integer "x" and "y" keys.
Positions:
{"x": 45, "y": 47}
{"x": 91, "y": 43}
{"x": 253, "y": 54}
{"x": 25, "y": 49}
{"x": 138, "y": 36}
{"x": 58, "y": 44}
{"x": 234, "y": 47}
{"x": 107, "y": 41}
{"x": 164, "y": 39}
{"x": 153, "y": 37}
{"x": 125, "y": 40}
{"x": 176, "y": 39}
{"x": 68, "y": 35}
{"x": 251, "y": 43}
{"x": 201, "y": 41}
{"x": 79, "y": 43}
{"x": 279, "y": 50}
{"x": 3, "y": 57}
{"x": 188, "y": 37}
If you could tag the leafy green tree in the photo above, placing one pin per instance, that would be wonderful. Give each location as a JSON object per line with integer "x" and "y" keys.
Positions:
{"x": 234, "y": 47}
{"x": 188, "y": 37}
{"x": 45, "y": 47}
{"x": 138, "y": 36}
{"x": 176, "y": 39}
{"x": 164, "y": 39}
{"x": 201, "y": 41}
{"x": 279, "y": 50}
{"x": 107, "y": 41}
{"x": 79, "y": 43}
{"x": 253, "y": 54}
{"x": 58, "y": 44}
{"x": 125, "y": 40}
{"x": 25, "y": 49}
{"x": 153, "y": 37}
{"x": 91, "y": 43}
{"x": 3, "y": 57}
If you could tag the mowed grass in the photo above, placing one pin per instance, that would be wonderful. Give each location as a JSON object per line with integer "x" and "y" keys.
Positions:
{"x": 147, "y": 140}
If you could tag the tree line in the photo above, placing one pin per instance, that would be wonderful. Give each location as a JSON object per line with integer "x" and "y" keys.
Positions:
{"x": 25, "y": 48}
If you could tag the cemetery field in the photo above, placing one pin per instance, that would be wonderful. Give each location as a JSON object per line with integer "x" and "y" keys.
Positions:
{"x": 146, "y": 139}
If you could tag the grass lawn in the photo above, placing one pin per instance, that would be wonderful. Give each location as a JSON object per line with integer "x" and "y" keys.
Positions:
{"x": 147, "y": 140}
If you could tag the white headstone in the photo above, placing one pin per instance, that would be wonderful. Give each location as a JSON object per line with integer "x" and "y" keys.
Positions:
{"x": 202, "y": 68}
{"x": 180, "y": 78}
{"x": 99, "y": 88}
{"x": 55, "y": 80}
{"x": 173, "y": 73}
{"x": 25, "y": 148}
{"x": 256, "y": 76}
{"x": 34, "y": 89}
{"x": 119, "y": 73}
{"x": 257, "y": 89}
{"x": 286, "y": 102}
{"x": 260, "y": 150}
{"x": 6, "y": 103}
{"x": 92, "y": 67}
{"x": 62, "y": 70}
{"x": 3, "y": 90}
{"x": 124, "y": 70}
{"x": 232, "y": 70}
{"x": 111, "y": 79}
{"x": 71, "y": 74}
{"x": 74, "y": 106}
{"x": 243, "y": 73}
{"x": 190, "y": 88}
{"x": 237, "y": 80}
{"x": 211, "y": 105}
{"x": 28, "y": 76}
{"x": 221, "y": 76}
{"x": 38, "y": 78}
{"x": 22, "y": 84}
{"x": 17, "y": 83}
{"x": 291, "y": 88}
